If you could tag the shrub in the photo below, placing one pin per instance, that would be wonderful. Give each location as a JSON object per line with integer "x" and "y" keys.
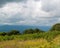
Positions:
{"x": 2, "y": 33}
{"x": 28, "y": 31}
{"x": 14, "y": 32}
{"x": 31, "y": 31}
{"x": 56, "y": 27}
{"x": 38, "y": 30}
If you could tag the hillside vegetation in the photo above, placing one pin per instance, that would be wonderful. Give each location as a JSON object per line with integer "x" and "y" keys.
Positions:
{"x": 55, "y": 27}
{"x": 31, "y": 38}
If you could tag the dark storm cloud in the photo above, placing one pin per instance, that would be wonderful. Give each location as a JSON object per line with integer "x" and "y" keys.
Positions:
{"x": 3, "y": 2}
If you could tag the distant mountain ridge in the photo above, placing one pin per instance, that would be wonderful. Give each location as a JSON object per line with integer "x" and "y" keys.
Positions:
{"x": 7, "y": 28}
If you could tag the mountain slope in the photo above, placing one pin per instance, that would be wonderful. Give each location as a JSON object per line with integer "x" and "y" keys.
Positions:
{"x": 6, "y": 28}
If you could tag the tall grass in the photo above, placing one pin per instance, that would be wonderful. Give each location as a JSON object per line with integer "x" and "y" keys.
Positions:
{"x": 46, "y": 35}
{"x": 35, "y": 43}
{"x": 36, "y": 40}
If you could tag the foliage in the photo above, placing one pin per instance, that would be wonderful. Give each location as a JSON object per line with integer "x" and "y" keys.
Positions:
{"x": 28, "y": 31}
{"x": 13, "y": 32}
{"x": 56, "y": 27}
{"x": 2, "y": 33}
{"x": 35, "y": 43}
{"x": 38, "y": 30}
{"x": 46, "y": 35}
{"x": 31, "y": 31}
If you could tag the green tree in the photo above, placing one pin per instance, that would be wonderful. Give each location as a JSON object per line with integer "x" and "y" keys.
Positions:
{"x": 38, "y": 31}
{"x": 31, "y": 31}
{"x": 28, "y": 31}
{"x": 14, "y": 32}
{"x": 2, "y": 33}
{"x": 56, "y": 27}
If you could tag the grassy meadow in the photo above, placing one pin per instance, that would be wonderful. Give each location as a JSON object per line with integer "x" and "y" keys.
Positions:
{"x": 36, "y": 40}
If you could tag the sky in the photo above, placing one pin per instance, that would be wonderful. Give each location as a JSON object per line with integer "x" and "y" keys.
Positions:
{"x": 29, "y": 12}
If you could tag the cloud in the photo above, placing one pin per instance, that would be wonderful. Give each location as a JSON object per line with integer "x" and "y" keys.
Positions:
{"x": 3, "y": 2}
{"x": 51, "y": 6}
{"x": 30, "y": 12}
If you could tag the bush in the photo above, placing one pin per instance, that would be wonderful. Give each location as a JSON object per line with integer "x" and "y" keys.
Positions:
{"x": 28, "y": 31}
{"x": 2, "y": 33}
{"x": 31, "y": 31}
{"x": 38, "y": 30}
{"x": 14, "y": 32}
{"x": 56, "y": 27}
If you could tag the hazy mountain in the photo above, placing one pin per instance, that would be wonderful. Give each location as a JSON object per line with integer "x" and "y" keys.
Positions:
{"x": 6, "y": 28}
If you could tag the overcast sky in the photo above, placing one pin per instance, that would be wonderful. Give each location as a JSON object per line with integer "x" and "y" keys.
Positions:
{"x": 29, "y": 12}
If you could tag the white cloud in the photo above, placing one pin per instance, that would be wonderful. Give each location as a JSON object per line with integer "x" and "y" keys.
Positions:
{"x": 31, "y": 12}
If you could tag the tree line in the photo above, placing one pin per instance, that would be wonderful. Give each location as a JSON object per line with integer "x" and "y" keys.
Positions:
{"x": 16, "y": 32}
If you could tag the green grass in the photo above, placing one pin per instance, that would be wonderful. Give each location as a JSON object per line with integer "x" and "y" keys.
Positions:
{"x": 34, "y": 43}
{"x": 36, "y": 40}
{"x": 46, "y": 35}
